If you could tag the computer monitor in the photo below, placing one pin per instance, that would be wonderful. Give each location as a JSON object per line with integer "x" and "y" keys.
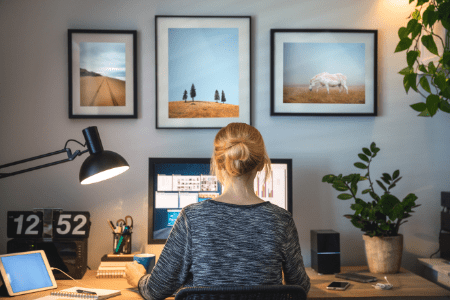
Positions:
{"x": 177, "y": 182}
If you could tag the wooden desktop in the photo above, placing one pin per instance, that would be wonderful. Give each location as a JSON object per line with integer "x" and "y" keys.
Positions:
{"x": 406, "y": 286}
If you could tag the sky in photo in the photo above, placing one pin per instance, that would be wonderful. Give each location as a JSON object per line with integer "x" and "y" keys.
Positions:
{"x": 303, "y": 61}
{"x": 207, "y": 58}
{"x": 107, "y": 59}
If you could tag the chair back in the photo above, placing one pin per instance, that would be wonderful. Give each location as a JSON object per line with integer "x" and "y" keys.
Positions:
{"x": 257, "y": 292}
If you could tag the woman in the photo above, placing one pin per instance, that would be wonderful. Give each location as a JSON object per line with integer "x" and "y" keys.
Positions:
{"x": 236, "y": 239}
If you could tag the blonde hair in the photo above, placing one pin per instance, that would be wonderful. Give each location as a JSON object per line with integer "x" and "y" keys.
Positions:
{"x": 239, "y": 149}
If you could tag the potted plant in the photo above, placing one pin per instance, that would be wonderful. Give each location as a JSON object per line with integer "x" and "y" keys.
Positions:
{"x": 422, "y": 30}
{"x": 380, "y": 216}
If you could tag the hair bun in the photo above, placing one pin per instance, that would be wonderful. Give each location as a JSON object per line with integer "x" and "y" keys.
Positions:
{"x": 238, "y": 149}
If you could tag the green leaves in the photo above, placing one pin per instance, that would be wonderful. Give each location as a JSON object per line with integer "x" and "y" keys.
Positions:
{"x": 403, "y": 45}
{"x": 395, "y": 174}
{"x": 367, "y": 151}
{"x": 428, "y": 42}
{"x": 421, "y": 31}
{"x": 409, "y": 81}
{"x": 363, "y": 157}
{"x": 403, "y": 32}
{"x": 411, "y": 57}
{"x": 406, "y": 71}
{"x": 430, "y": 16}
{"x": 444, "y": 106}
{"x": 345, "y": 196}
{"x": 328, "y": 178}
{"x": 446, "y": 59}
{"x": 419, "y": 106}
{"x": 377, "y": 216}
{"x": 382, "y": 185}
{"x": 424, "y": 84}
{"x": 432, "y": 104}
{"x": 440, "y": 81}
{"x": 420, "y": 2}
{"x": 360, "y": 165}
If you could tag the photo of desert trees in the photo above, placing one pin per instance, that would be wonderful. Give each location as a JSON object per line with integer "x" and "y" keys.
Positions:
{"x": 203, "y": 61}
{"x": 102, "y": 74}
{"x": 202, "y": 109}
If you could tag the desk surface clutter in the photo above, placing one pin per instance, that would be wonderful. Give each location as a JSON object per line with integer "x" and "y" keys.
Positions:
{"x": 406, "y": 286}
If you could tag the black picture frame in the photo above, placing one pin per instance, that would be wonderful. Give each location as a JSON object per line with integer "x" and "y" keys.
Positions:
{"x": 302, "y": 57}
{"x": 230, "y": 74}
{"x": 106, "y": 84}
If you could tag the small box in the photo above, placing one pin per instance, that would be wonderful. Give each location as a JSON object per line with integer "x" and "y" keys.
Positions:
{"x": 325, "y": 251}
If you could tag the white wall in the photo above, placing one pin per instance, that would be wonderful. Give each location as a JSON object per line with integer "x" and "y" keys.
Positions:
{"x": 34, "y": 119}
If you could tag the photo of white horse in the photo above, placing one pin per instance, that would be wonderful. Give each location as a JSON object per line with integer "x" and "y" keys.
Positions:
{"x": 329, "y": 73}
{"x": 326, "y": 79}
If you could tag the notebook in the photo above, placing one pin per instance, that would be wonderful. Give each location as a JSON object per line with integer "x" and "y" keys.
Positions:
{"x": 111, "y": 272}
{"x": 71, "y": 293}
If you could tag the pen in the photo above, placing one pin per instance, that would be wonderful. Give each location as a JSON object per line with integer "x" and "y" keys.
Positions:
{"x": 86, "y": 292}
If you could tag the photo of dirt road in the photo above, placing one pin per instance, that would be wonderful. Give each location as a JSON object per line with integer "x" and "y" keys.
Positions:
{"x": 101, "y": 91}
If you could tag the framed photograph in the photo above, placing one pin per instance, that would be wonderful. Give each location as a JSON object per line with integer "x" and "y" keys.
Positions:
{"x": 323, "y": 72}
{"x": 203, "y": 71}
{"x": 102, "y": 74}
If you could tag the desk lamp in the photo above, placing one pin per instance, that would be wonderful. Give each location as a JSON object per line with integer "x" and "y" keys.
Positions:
{"x": 99, "y": 166}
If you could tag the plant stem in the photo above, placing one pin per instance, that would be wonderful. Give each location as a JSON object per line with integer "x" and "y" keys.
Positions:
{"x": 349, "y": 188}
{"x": 368, "y": 175}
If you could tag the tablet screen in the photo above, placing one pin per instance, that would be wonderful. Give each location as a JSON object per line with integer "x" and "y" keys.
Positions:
{"x": 26, "y": 272}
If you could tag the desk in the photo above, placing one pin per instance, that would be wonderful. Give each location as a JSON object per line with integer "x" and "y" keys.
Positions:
{"x": 437, "y": 270}
{"x": 406, "y": 286}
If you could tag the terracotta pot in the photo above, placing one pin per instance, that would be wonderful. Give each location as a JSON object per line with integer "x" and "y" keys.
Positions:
{"x": 384, "y": 254}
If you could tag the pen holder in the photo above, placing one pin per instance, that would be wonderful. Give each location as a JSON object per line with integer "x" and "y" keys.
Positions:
{"x": 122, "y": 243}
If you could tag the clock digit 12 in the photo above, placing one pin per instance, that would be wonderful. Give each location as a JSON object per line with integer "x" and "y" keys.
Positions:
{"x": 24, "y": 224}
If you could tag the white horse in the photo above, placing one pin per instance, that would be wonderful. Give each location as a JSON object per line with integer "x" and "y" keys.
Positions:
{"x": 327, "y": 80}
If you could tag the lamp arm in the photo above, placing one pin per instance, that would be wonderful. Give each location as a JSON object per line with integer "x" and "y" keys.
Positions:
{"x": 70, "y": 157}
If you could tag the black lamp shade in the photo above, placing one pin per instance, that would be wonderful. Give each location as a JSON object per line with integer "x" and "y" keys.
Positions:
{"x": 102, "y": 166}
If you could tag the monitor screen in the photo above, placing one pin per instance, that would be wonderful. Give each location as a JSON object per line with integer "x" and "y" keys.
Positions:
{"x": 177, "y": 182}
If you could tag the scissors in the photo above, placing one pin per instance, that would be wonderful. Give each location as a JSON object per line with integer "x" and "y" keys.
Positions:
{"x": 120, "y": 222}
{"x": 131, "y": 221}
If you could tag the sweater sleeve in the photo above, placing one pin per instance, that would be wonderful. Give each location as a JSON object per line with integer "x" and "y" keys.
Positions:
{"x": 293, "y": 268}
{"x": 173, "y": 266}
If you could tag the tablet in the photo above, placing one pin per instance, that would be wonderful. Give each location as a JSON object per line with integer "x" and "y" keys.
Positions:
{"x": 26, "y": 272}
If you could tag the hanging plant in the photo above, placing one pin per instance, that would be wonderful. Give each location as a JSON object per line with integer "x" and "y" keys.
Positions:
{"x": 432, "y": 77}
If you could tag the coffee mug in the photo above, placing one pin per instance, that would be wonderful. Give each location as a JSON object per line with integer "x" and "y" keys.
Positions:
{"x": 147, "y": 260}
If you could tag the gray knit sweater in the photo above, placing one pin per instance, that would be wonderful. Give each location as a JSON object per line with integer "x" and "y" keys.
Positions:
{"x": 214, "y": 243}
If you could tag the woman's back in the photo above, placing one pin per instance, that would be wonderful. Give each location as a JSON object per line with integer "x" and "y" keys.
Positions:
{"x": 236, "y": 239}
{"x": 215, "y": 243}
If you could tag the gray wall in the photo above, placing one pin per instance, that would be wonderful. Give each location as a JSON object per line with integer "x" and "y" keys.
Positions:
{"x": 34, "y": 120}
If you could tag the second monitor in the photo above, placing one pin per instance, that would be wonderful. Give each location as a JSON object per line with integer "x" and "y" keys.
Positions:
{"x": 177, "y": 182}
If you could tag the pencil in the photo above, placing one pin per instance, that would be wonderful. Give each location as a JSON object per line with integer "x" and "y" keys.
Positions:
{"x": 111, "y": 225}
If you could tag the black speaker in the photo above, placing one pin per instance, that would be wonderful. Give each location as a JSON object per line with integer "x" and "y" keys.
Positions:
{"x": 325, "y": 251}
{"x": 444, "y": 245}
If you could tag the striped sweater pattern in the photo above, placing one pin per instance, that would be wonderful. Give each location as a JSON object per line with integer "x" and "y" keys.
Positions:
{"x": 217, "y": 244}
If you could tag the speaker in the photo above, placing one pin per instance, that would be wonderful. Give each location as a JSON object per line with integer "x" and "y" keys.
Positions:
{"x": 325, "y": 251}
{"x": 444, "y": 245}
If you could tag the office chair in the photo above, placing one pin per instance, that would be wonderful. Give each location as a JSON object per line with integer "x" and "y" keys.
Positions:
{"x": 257, "y": 292}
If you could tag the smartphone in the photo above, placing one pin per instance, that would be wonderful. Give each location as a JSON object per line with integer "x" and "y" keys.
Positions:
{"x": 338, "y": 285}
